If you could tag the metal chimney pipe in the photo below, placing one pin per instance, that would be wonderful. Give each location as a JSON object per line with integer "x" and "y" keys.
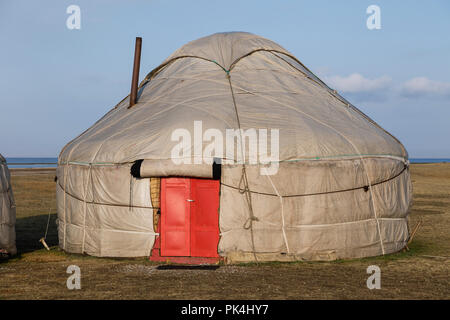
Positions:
{"x": 135, "y": 78}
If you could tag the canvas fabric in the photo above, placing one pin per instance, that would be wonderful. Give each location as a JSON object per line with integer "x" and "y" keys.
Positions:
{"x": 342, "y": 189}
{"x": 7, "y": 211}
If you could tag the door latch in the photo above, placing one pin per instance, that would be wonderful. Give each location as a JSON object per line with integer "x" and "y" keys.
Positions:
{"x": 190, "y": 200}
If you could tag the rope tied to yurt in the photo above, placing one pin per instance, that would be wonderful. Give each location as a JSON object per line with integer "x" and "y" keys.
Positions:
{"x": 282, "y": 210}
{"x": 246, "y": 191}
{"x": 227, "y": 71}
{"x": 364, "y": 187}
{"x": 42, "y": 240}
{"x": 91, "y": 182}
{"x": 248, "y": 225}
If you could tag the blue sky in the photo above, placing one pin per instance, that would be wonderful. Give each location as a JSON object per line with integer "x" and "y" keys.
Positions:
{"x": 56, "y": 82}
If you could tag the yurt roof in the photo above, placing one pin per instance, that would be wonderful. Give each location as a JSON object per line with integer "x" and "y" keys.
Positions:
{"x": 272, "y": 89}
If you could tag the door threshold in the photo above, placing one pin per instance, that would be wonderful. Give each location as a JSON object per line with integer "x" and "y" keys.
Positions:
{"x": 187, "y": 267}
{"x": 185, "y": 260}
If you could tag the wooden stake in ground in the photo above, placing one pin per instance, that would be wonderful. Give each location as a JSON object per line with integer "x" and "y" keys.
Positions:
{"x": 42, "y": 240}
{"x": 414, "y": 231}
{"x": 412, "y": 235}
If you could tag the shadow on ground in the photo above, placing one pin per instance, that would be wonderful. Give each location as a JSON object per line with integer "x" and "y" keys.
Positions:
{"x": 30, "y": 229}
{"x": 28, "y": 232}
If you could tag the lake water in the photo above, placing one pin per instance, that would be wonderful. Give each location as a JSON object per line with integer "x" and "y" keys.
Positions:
{"x": 429, "y": 160}
{"x": 51, "y": 162}
{"x": 28, "y": 162}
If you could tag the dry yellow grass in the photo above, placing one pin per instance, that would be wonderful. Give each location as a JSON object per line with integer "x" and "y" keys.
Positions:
{"x": 421, "y": 273}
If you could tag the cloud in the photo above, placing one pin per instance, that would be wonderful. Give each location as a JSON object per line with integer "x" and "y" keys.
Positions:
{"x": 420, "y": 86}
{"x": 356, "y": 83}
{"x": 359, "y": 88}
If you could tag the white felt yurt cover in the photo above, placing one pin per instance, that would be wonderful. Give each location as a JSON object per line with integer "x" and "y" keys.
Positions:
{"x": 342, "y": 189}
{"x": 7, "y": 211}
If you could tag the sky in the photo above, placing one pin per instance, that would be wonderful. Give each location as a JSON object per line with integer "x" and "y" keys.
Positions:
{"x": 55, "y": 82}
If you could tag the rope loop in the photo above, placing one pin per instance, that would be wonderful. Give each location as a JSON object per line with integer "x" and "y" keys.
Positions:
{"x": 242, "y": 180}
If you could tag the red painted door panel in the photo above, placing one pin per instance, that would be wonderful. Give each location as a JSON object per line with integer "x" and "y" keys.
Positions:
{"x": 175, "y": 217}
{"x": 189, "y": 217}
{"x": 204, "y": 217}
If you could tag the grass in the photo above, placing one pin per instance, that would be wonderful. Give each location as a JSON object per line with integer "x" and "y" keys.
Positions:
{"x": 420, "y": 273}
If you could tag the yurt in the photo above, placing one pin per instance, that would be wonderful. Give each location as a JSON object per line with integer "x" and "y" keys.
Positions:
{"x": 7, "y": 212}
{"x": 234, "y": 151}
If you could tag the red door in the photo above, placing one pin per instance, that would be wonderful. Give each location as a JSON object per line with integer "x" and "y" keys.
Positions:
{"x": 175, "y": 218}
{"x": 189, "y": 217}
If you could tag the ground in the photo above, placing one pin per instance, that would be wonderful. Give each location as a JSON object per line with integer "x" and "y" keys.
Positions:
{"x": 421, "y": 273}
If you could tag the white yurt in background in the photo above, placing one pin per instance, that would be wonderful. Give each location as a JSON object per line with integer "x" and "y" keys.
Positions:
{"x": 7, "y": 211}
{"x": 341, "y": 190}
